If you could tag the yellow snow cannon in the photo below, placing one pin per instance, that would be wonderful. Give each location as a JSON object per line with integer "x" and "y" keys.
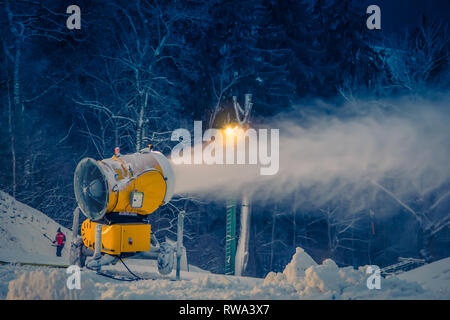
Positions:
{"x": 118, "y": 193}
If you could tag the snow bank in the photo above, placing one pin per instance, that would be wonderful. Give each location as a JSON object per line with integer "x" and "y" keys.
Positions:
{"x": 310, "y": 280}
{"x": 48, "y": 284}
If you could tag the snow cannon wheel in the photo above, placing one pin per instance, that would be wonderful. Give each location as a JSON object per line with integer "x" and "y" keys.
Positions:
{"x": 166, "y": 258}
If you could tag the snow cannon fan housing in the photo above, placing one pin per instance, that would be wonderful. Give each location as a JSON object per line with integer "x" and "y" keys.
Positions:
{"x": 136, "y": 183}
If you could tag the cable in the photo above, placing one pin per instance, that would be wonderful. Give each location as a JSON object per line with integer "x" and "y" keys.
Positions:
{"x": 114, "y": 277}
{"x": 137, "y": 277}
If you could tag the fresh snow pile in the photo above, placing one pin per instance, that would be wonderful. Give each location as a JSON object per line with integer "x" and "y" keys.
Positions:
{"x": 300, "y": 262}
{"x": 310, "y": 280}
{"x": 22, "y": 230}
{"x": 302, "y": 278}
{"x": 48, "y": 284}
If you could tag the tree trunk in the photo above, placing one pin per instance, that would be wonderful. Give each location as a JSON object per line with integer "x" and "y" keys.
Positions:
{"x": 116, "y": 136}
{"x": 18, "y": 118}
{"x": 294, "y": 221}
{"x": 274, "y": 220}
{"x": 13, "y": 147}
{"x": 330, "y": 245}
{"x": 140, "y": 125}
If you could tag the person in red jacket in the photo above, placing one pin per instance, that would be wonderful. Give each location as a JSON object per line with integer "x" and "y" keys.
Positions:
{"x": 60, "y": 240}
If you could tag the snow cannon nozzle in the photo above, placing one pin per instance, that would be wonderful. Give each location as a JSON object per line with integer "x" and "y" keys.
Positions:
{"x": 137, "y": 183}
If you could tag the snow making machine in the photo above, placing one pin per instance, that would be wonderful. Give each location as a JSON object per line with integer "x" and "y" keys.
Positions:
{"x": 117, "y": 195}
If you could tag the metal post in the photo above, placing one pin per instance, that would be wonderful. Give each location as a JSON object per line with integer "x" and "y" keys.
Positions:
{"x": 180, "y": 241}
{"x": 98, "y": 243}
{"x": 74, "y": 252}
{"x": 76, "y": 219}
{"x": 230, "y": 240}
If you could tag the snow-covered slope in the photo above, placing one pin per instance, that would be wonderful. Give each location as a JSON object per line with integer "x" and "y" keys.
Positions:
{"x": 22, "y": 230}
{"x": 434, "y": 276}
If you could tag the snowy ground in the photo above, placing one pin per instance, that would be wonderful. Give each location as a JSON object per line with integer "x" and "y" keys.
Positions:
{"x": 21, "y": 239}
{"x": 301, "y": 279}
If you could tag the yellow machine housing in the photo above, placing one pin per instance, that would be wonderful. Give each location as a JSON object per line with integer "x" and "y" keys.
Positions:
{"x": 118, "y": 238}
{"x": 150, "y": 183}
{"x": 137, "y": 183}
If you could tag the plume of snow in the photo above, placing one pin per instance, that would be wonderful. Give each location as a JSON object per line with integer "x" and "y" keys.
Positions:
{"x": 404, "y": 145}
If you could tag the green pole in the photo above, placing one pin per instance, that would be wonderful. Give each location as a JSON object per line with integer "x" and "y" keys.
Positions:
{"x": 230, "y": 240}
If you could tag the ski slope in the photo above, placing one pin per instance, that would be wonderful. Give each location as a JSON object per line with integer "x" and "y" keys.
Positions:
{"x": 21, "y": 240}
{"x": 22, "y": 230}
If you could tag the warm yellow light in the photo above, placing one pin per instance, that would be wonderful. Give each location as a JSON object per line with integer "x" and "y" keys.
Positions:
{"x": 230, "y": 129}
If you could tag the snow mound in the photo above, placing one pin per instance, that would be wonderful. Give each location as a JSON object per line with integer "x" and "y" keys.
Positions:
{"x": 300, "y": 262}
{"x": 310, "y": 280}
{"x": 323, "y": 277}
{"x": 48, "y": 284}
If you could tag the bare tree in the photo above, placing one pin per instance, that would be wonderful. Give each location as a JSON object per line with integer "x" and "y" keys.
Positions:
{"x": 340, "y": 230}
{"x": 429, "y": 219}
{"x": 24, "y": 21}
{"x": 417, "y": 57}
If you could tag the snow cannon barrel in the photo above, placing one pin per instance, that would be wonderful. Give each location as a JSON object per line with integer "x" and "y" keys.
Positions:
{"x": 137, "y": 183}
